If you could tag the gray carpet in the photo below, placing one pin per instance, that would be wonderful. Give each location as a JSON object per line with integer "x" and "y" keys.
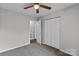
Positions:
{"x": 34, "y": 49}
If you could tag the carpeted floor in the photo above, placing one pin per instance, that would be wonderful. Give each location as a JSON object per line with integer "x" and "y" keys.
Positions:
{"x": 34, "y": 49}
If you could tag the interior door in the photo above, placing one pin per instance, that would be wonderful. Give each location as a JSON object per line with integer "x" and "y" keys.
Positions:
{"x": 52, "y": 32}
{"x": 38, "y": 31}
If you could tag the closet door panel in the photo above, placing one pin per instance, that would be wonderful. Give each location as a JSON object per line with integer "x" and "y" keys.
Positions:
{"x": 52, "y": 32}
{"x": 56, "y": 28}
{"x": 48, "y": 33}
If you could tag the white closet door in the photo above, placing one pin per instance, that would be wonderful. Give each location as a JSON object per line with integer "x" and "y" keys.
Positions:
{"x": 48, "y": 33}
{"x": 52, "y": 32}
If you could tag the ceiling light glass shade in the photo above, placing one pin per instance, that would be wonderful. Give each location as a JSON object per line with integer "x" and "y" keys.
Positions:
{"x": 36, "y": 6}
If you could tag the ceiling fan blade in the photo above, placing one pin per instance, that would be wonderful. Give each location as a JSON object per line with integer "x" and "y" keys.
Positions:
{"x": 28, "y": 7}
{"x": 37, "y": 11}
{"x": 46, "y": 7}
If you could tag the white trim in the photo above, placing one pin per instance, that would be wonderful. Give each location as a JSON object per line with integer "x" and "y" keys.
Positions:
{"x": 67, "y": 52}
{"x": 14, "y": 47}
{"x": 38, "y": 42}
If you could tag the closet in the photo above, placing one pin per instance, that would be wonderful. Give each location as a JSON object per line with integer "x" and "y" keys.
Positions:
{"x": 52, "y": 32}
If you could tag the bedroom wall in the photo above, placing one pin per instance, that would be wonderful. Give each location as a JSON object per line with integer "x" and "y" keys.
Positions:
{"x": 14, "y": 30}
{"x": 69, "y": 32}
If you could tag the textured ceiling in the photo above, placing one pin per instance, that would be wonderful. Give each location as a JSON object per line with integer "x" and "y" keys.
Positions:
{"x": 18, "y": 7}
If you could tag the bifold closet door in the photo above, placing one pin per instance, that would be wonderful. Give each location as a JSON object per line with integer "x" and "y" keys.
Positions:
{"x": 52, "y": 32}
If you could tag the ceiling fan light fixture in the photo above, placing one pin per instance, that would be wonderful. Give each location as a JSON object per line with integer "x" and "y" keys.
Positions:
{"x": 36, "y": 6}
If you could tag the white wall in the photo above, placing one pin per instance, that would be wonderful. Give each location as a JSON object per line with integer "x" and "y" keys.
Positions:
{"x": 69, "y": 37}
{"x": 14, "y": 30}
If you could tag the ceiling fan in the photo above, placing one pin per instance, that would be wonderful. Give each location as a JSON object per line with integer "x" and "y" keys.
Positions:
{"x": 37, "y": 6}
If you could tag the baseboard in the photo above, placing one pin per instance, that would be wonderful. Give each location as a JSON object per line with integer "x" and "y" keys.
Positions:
{"x": 14, "y": 47}
{"x": 67, "y": 52}
{"x": 39, "y": 42}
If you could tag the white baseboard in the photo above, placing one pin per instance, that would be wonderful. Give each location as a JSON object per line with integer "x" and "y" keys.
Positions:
{"x": 14, "y": 47}
{"x": 38, "y": 42}
{"x": 67, "y": 52}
